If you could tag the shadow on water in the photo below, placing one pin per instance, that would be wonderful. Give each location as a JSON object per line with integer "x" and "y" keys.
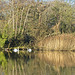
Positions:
{"x": 40, "y": 63}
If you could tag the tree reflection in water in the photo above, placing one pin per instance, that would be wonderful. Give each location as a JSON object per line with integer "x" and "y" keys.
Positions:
{"x": 42, "y": 63}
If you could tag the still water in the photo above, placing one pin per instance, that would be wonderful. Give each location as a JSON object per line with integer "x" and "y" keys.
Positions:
{"x": 38, "y": 63}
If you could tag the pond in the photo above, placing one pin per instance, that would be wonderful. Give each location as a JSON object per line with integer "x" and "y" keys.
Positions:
{"x": 38, "y": 63}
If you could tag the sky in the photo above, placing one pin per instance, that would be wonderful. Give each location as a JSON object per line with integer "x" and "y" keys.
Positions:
{"x": 8, "y": 0}
{"x": 49, "y": 0}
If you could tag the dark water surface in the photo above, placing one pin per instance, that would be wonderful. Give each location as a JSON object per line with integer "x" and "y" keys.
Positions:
{"x": 38, "y": 63}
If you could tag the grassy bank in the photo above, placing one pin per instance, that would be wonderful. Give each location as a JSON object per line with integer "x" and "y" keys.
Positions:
{"x": 58, "y": 42}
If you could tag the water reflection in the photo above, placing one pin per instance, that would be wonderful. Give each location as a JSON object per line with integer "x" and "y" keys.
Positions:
{"x": 62, "y": 62}
{"x": 41, "y": 63}
{"x": 3, "y": 63}
{"x": 58, "y": 58}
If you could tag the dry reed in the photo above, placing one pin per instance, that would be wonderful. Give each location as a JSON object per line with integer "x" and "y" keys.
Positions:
{"x": 58, "y": 42}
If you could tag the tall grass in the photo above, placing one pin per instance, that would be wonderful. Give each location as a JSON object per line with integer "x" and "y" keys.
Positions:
{"x": 58, "y": 42}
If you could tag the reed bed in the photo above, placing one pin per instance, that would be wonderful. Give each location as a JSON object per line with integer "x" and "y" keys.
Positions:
{"x": 58, "y": 42}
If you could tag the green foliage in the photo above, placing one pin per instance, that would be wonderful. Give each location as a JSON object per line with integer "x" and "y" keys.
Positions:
{"x": 60, "y": 12}
{"x": 36, "y": 19}
{"x": 2, "y": 42}
{"x": 3, "y": 37}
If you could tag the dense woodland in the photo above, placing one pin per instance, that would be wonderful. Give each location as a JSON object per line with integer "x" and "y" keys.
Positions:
{"x": 25, "y": 22}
